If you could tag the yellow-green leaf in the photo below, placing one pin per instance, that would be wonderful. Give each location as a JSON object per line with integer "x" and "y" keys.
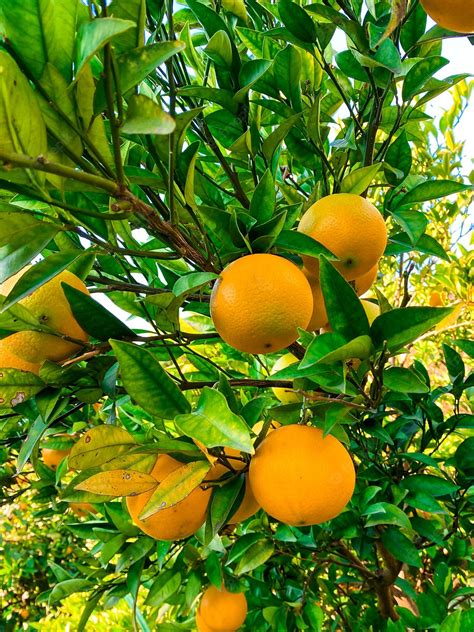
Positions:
{"x": 118, "y": 483}
{"x": 100, "y": 445}
{"x": 175, "y": 487}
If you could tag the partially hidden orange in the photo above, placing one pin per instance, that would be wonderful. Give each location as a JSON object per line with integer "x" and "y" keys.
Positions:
{"x": 455, "y": 15}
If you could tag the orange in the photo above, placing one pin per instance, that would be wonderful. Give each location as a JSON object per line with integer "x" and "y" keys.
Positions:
{"x": 82, "y": 509}
{"x": 222, "y": 610}
{"x": 52, "y": 458}
{"x": 249, "y": 506}
{"x": 202, "y": 626}
{"x": 455, "y": 15}
{"x": 258, "y": 303}
{"x": 49, "y": 305}
{"x": 301, "y": 478}
{"x": 371, "y": 310}
{"x": 24, "y": 613}
{"x": 351, "y": 228}
{"x": 8, "y": 360}
{"x": 176, "y": 522}
{"x": 285, "y": 395}
{"x": 364, "y": 282}
{"x": 437, "y": 299}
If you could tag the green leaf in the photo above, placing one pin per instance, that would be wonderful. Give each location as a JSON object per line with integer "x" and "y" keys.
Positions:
{"x": 428, "y": 484}
{"x": 95, "y": 319}
{"x": 21, "y": 238}
{"x": 223, "y": 499}
{"x": 17, "y": 386}
{"x": 274, "y": 140}
{"x": 147, "y": 382}
{"x": 404, "y": 380}
{"x": 163, "y": 588}
{"x": 138, "y": 63}
{"x": 100, "y": 445}
{"x": 175, "y": 487}
{"x": 400, "y": 243}
{"x": 432, "y": 190}
{"x": 419, "y": 74}
{"x": 135, "y": 11}
{"x": 287, "y": 72}
{"x": 250, "y": 73}
{"x": 255, "y": 556}
{"x": 359, "y": 180}
{"x": 360, "y": 347}
{"x": 403, "y": 325}
{"x": 145, "y": 116}
{"x": 69, "y": 587}
{"x": 294, "y": 241}
{"x": 221, "y": 97}
{"x": 352, "y": 28}
{"x": 386, "y": 513}
{"x": 454, "y": 363}
{"x": 39, "y": 274}
{"x": 345, "y": 312}
{"x": 219, "y": 49}
{"x": 401, "y": 547}
{"x": 413, "y": 222}
{"x": 237, "y": 7}
{"x": 314, "y": 615}
{"x": 192, "y": 282}
{"x": 297, "y": 21}
{"x": 262, "y": 204}
{"x": 465, "y": 345}
{"x": 399, "y": 157}
{"x": 214, "y": 424}
{"x": 92, "y": 36}
{"x": 350, "y": 66}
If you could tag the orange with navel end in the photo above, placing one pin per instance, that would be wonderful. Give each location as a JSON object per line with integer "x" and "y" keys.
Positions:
{"x": 258, "y": 303}
{"x": 351, "y": 228}
{"x": 300, "y": 477}
{"x": 8, "y": 359}
{"x": 222, "y": 610}
{"x": 82, "y": 509}
{"x": 364, "y": 283}
{"x": 49, "y": 305}
{"x": 176, "y": 522}
{"x": 455, "y": 15}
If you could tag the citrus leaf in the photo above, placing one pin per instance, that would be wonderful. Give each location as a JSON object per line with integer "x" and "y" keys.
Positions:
{"x": 145, "y": 116}
{"x": 118, "y": 483}
{"x": 17, "y": 386}
{"x": 404, "y": 380}
{"x": 274, "y": 140}
{"x": 147, "y": 382}
{"x": 428, "y": 484}
{"x": 297, "y": 21}
{"x": 294, "y": 241}
{"x": 255, "y": 556}
{"x": 214, "y": 424}
{"x": 175, "y": 487}
{"x": 191, "y": 282}
{"x": 386, "y": 513}
{"x": 69, "y": 587}
{"x": 100, "y": 445}
{"x": 360, "y": 347}
{"x": 419, "y": 74}
{"x": 359, "y": 180}
{"x": 163, "y": 587}
{"x": 432, "y": 190}
{"x": 401, "y": 547}
{"x": 93, "y": 35}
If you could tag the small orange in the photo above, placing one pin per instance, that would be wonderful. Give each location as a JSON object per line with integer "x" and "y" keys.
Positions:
{"x": 52, "y": 458}
{"x": 351, "y": 228}
{"x": 300, "y": 477}
{"x": 455, "y": 15}
{"x": 258, "y": 303}
{"x": 222, "y": 610}
{"x": 364, "y": 282}
{"x": 437, "y": 299}
{"x": 24, "y": 613}
{"x": 176, "y": 522}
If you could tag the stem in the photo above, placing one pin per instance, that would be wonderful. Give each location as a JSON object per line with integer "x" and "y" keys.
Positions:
{"x": 172, "y": 91}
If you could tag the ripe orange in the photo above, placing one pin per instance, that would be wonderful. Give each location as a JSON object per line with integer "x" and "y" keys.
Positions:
{"x": 176, "y": 522}
{"x": 455, "y": 15}
{"x": 8, "y": 360}
{"x": 301, "y": 478}
{"x": 24, "y": 613}
{"x": 437, "y": 299}
{"x": 351, "y": 228}
{"x": 285, "y": 395}
{"x": 50, "y": 306}
{"x": 82, "y": 509}
{"x": 364, "y": 282}
{"x": 222, "y": 610}
{"x": 371, "y": 310}
{"x": 259, "y": 301}
{"x": 319, "y": 317}
{"x": 52, "y": 458}
{"x": 202, "y": 625}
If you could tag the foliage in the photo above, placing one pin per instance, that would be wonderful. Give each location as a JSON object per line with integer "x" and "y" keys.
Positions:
{"x": 144, "y": 146}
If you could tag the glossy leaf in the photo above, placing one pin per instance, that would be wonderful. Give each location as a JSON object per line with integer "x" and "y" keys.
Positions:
{"x": 297, "y": 21}
{"x": 404, "y": 381}
{"x": 145, "y": 116}
{"x": 147, "y": 382}
{"x": 118, "y": 483}
{"x": 94, "y": 35}
{"x": 17, "y": 386}
{"x": 419, "y": 74}
{"x": 192, "y": 282}
{"x": 359, "y": 180}
{"x": 401, "y": 326}
{"x": 98, "y": 446}
{"x": 294, "y": 241}
{"x": 262, "y": 204}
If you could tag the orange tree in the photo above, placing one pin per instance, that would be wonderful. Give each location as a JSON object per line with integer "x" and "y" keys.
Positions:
{"x": 144, "y": 149}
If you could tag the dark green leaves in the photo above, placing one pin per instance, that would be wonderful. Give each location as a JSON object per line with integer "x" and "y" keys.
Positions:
{"x": 427, "y": 484}
{"x": 345, "y": 312}
{"x": 147, "y": 382}
{"x": 404, "y": 381}
{"x": 297, "y": 21}
{"x": 432, "y": 190}
{"x": 294, "y": 241}
{"x": 21, "y": 238}
{"x": 399, "y": 157}
{"x": 401, "y": 326}
{"x": 214, "y": 424}
{"x": 262, "y": 204}
{"x": 401, "y": 547}
{"x": 93, "y": 317}
{"x": 419, "y": 74}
